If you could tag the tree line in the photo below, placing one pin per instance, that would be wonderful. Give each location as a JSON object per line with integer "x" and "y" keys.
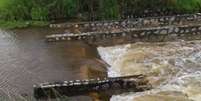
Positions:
{"x": 46, "y": 10}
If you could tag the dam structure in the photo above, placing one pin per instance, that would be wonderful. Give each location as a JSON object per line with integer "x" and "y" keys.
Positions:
{"x": 117, "y": 85}
{"x": 149, "y": 29}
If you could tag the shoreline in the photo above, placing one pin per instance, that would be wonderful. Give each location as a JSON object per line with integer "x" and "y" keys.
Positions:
{"x": 22, "y": 24}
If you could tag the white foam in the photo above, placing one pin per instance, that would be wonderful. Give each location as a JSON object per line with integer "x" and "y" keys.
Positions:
{"x": 180, "y": 75}
{"x": 110, "y": 55}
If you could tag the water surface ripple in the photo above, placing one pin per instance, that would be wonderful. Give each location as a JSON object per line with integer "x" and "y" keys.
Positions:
{"x": 26, "y": 59}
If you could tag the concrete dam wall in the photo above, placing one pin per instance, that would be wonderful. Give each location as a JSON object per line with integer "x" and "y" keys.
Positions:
{"x": 154, "y": 34}
{"x": 152, "y": 29}
{"x": 137, "y": 22}
{"x": 134, "y": 83}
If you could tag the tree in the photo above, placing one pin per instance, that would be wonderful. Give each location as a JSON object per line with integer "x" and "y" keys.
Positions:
{"x": 109, "y": 9}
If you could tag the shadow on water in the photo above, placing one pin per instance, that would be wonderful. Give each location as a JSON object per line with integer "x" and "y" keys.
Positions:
{"x": 26, "y": 59}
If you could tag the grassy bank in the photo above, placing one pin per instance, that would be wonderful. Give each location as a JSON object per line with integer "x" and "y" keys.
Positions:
{"x": 24, "y": 13}
{"x": 22, "y": 24}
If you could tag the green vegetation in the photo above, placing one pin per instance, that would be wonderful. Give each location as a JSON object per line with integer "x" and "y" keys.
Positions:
{"x": 22, "y": 24}
{"x": 14, "y": 11}
{"x": 188, "y": 5}
{"x": 109, "y": 9}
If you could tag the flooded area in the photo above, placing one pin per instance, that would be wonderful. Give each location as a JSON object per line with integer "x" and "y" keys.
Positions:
{"x": 26, "y": 59}
{"x": 173, "y": 68}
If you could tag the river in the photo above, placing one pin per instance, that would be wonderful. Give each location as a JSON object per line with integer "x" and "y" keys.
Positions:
{"x": 26, "y": 59}
{"x": 173, "y": 68}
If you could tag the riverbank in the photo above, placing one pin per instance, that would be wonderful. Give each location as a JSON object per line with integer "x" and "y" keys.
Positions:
{"x": 22, "y": 24}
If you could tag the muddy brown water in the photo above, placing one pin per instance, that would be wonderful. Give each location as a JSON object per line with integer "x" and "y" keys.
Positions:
{"x": 174, "y": 68}
{"x": 26, "y": 59}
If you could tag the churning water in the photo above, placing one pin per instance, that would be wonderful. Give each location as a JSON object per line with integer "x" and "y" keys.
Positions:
{"x": 173, "y": 68}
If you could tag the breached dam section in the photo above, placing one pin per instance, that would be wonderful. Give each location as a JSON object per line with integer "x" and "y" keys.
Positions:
{"x": 112, "y": 86}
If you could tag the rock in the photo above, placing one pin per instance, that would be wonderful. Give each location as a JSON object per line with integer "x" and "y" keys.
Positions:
{"x": 163, "y": 32}
{"x": 176, "y": 30}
